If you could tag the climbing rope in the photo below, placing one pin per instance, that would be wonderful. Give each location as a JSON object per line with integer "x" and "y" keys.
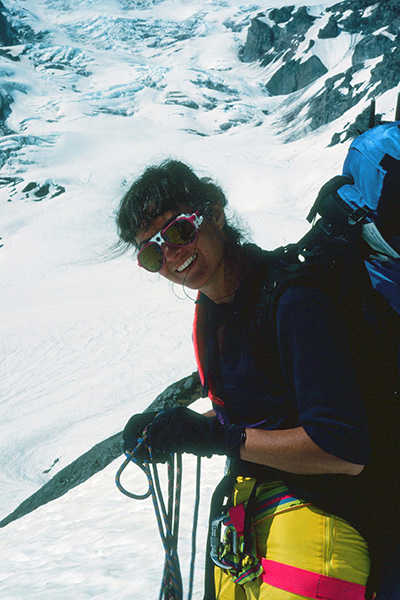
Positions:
{"x": 167, "y": 516}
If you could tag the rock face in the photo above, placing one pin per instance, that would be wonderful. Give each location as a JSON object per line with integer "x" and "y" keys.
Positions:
{"x": 295, "y": 75}
{"x": 268, "y": 42}
{"x": 290, "y": 40}
{"x": 7, "y": 34}
{"x": 5, "y": 111}
{"x": 277, "y": 35}
{"x": 331, "y": 30}
{"x": 260, "y": 40}
{"x": 13, "y": 30}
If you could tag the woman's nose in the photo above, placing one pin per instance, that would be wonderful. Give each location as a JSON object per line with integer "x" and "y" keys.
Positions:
{"x": 171, "y": 252}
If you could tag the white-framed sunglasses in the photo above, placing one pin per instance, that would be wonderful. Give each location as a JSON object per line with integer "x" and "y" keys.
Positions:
{"x": 182, "y": 231}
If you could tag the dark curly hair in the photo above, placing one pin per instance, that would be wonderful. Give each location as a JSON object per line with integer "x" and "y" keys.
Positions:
{"x": 170, "y": 186}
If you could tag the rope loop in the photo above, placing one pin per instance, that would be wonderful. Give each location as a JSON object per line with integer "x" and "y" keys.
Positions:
{"x": 167, "y": 515}
{"x": 144, "y": 466}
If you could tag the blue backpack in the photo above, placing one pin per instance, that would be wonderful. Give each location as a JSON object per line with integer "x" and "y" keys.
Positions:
{"x": 370, "y": 200}
{"x": 354, "y": 241}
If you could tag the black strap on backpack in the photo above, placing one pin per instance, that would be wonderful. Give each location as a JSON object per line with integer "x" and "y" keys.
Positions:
{"x": 330, "y": 255}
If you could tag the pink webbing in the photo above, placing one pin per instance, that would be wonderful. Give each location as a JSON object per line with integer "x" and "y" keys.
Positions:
{"x": 237, "y": 515}
{"x": 306, "y": 583}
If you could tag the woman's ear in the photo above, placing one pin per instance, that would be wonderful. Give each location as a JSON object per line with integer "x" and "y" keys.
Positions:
{"x": 218, "y": 216}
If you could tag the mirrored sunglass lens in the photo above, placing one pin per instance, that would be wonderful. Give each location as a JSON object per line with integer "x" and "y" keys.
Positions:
{"x": 151, "y": 258}
{"x": 180, "y": 232}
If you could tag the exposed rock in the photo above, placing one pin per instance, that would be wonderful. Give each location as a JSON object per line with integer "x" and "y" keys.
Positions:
{"x": 260, "y": 39}
{"x": 337, "y": 96}
{"x": 5, "y": 110}
{"x": 340, "y": 93}
{"x": 386, "y": 74}
{"x": 90, "y": 463}
{"x": 14, "y": 30}
{"x": 278, "y": 33}
{"x": 215, "y": 84}
{"x": 281, "y": 15}
{"x": 353, "y": 130}
{"x": 7, "y": 34}
{"x": 236, "y": 122}
{"x": 39, "y": 191}
{"x": 19, "y": 190}
{"x": 300, "y": 22}
{"x": 9, "y": 55}
{"x": 10, "y": 181}
{"x": 233, "y": 26}
{"x": 181, "y": 100}
{"x": 295, "y": 75}
{"x": 182, "y": 392}
{"x": 267, "y": 43}
{"x": 372, "y": 46}
{"x": 331, "y": 29}
{"x": 366, "y": 16}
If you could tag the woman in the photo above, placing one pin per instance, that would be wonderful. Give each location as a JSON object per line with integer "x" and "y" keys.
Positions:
{"x": 287, "y": 409}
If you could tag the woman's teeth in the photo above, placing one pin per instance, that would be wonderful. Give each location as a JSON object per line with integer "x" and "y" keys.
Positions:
{"x": 186, "y": 263}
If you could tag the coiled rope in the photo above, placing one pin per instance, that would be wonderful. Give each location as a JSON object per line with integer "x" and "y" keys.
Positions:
{"x": 167, "y": 517}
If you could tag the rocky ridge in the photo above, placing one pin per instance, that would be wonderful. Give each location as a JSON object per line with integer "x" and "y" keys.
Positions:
{"x": 180, "y": 393}
{"x": 320, "y": 62}
{"x": 287, "y": 42}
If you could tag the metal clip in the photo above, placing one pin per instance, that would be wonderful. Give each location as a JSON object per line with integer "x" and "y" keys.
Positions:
{"x": 358, "y": 215}
{"x": 216, "y": 543}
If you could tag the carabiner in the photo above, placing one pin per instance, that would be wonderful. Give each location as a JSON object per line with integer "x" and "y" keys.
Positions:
{"x": 216, "y": 544}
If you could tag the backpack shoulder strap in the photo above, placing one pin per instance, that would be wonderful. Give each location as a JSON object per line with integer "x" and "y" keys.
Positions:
{"x": 287, "y": 266}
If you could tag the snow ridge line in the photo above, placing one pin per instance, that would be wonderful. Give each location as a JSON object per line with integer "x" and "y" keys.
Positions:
{"x": 180, "y": 393}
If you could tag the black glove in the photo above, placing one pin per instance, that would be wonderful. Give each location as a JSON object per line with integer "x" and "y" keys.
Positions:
{"x": 183, "y": 430}
{"x": 133, "y": 431}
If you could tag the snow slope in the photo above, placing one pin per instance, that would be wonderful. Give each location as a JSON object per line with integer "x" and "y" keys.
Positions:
{"x": 101, "y": 89}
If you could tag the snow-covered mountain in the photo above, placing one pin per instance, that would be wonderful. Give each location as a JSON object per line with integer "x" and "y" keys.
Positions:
{"x": 260, "y": 96}
{"x": 327, "y": 61}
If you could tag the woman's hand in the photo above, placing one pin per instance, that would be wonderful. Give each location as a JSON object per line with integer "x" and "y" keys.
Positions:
{"x": 134, "y": 431}
{"x": 180, "y": 430}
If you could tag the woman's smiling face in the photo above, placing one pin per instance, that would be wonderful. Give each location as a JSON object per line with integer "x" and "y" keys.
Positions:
{"x": 199, "y": 264}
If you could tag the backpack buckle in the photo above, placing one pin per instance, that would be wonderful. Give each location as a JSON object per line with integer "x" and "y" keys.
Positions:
{"x": 358, "y": 215}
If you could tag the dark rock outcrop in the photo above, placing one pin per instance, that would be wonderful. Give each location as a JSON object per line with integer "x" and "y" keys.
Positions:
{"x": 337, "y": 96}
{"x": 7, "y": 33}
{"x": 40, "y": 191}
{"x": 266, "y": 43}
{"x": 277, "y": 35}
{"x": 372, "y": 46}
{"x": 386, "y": 74}
{"x": 331, "y": 29}
{"x": 295, "y": 75}
{"x": 340, "y": 93}
{"x": 260, "y": 39}
{"x": 5, "y": 110}
{"x": 281, "y": 15}
{"x": 360, "y": 124}
{"x": 366, "y": 16}
{"x": 182, "y": 392}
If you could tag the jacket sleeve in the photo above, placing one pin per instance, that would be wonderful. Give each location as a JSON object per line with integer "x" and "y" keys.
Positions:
{"x": 318, "y": 370}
